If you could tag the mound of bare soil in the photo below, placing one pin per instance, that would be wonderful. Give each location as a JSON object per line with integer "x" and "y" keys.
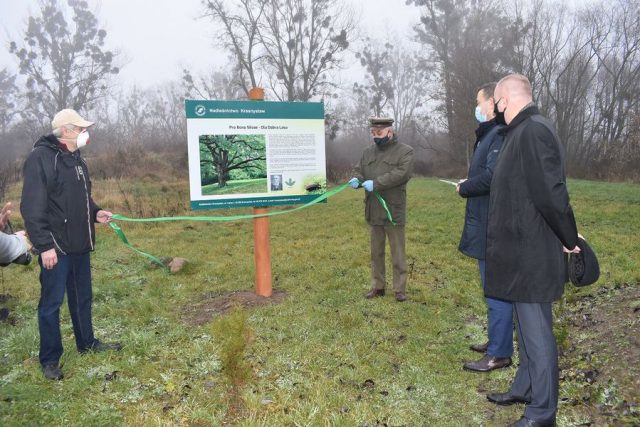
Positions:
{"x": 212, "y": 305}
{"x": 600, "y": 367}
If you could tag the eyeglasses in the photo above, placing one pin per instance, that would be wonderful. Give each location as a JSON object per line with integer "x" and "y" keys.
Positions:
{"x": 75, "y": 129}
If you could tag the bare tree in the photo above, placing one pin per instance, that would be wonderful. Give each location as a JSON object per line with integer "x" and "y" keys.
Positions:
{"x": 133, "y": 116}
{"x": 411, "y": 79}
{"x": 293, "y": 44}
{"x": 616, "y": 42}
{"x": 168, "y": 121}
{"x": 585, "y": 70}
{"x": 8, "y": 100}
{"x": 214, "y": 85}
{"x": 239, "y": 34}
{"x": 63, "y": 58}
{"x": 566, "y": 66}
{"x": 377, "y": 88}
{"x": 461, "y": 42}
{"x": 396, "y": 83}
{"x": 441, "y": 25}
{"x": 303, "y": 40}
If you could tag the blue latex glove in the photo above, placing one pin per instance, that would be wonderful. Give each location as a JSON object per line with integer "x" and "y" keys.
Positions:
{"x": 354, "y": 183}
{"x": 368, "y": 185}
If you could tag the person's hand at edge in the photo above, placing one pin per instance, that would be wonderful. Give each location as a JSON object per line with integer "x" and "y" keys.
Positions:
{"x": 4, "y": 215}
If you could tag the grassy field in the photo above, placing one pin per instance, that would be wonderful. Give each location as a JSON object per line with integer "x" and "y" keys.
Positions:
{"x": 322, "y": 356}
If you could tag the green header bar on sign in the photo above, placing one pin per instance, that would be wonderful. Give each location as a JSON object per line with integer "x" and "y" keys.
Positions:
{"x": 252, "y": 201}
{"x": 197, "y": 109}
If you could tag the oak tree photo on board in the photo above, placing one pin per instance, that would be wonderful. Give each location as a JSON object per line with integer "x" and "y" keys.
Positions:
{"x": 227, "y": 159}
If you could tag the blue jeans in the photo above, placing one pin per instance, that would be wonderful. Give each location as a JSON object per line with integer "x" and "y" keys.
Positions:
{"x": 500, "y": 320}
{"x": 72, "y": 272}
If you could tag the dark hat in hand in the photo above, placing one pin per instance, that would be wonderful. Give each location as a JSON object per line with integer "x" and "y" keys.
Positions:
{"x": 583, "y": 266}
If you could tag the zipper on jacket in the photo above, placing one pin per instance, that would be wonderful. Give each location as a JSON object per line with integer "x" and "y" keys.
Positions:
{"x": 56, "y": 243}
{"x": 86, "y": 192}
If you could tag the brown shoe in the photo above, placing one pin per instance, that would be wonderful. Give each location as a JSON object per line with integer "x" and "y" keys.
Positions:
{"x": 480, "y": 348}
{"x": 373, "y": 293}
{"x": 400, "y": 296}
{"x": 487, "y": 363}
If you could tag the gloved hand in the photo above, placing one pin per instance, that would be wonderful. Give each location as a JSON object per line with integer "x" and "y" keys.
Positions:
{"x": 368, "y": 185}
{"x": 354, "y": 183}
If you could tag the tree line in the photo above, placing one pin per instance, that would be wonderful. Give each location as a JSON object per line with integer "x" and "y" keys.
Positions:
{"x": 583, "y": 63}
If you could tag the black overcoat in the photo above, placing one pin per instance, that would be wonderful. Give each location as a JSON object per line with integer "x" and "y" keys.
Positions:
{"x": 530, "y": 217}
{"x": 476, "y": 189}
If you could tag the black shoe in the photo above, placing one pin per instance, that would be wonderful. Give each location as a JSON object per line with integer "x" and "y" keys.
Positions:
{"x": 487, "y": 363}
{"x": 401, "y": 296}
{"x": 504, "y": 399}
{"x": 480, "y": 348}
{"x": 99, "y": 346}
{"x": 526, "y": 422}
{"x": 52, "y": 372}
{"x": 374, "y": 293}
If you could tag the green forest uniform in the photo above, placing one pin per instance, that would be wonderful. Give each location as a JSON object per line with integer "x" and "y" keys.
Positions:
{"x": 389, "y": 167}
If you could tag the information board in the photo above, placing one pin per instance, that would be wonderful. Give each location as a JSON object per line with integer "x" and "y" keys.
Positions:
{"x": 255, "y": 153}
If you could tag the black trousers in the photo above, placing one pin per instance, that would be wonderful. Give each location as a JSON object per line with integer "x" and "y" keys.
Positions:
{"x": 537, "y": 378}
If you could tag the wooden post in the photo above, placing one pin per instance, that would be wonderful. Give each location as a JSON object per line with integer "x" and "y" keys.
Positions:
{"x": 261, "y": 245}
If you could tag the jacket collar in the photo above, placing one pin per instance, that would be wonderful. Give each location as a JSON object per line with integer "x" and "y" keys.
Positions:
{"x": 523, "y": 115}
{"x": 484, "y": 128}
{"x": 52, "y": 142}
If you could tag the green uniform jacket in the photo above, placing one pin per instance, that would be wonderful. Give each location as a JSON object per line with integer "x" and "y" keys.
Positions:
{"x": 389, "y": 167}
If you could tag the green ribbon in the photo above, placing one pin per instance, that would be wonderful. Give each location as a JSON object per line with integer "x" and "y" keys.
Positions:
{"x": 385, "y": 207}
{"x": 330, "y": 193}
{"x": 318, "y": 199}
{"x": 116, "y": 228}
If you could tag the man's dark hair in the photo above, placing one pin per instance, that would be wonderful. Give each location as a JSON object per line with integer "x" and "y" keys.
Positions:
{"x": 487, "y": 89}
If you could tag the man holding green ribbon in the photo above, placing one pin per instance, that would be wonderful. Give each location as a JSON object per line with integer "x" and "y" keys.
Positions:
{"x": 59, "y": 215}
{"x": 385, "y": 169}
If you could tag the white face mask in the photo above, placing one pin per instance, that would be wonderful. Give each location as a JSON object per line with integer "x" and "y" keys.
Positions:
{"x": 82, "y": 139}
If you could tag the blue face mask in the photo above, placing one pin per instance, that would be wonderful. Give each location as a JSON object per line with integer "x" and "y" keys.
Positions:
{"x": 479, "y": 116}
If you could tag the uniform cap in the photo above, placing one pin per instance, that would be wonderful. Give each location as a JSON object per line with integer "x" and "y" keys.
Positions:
{"x": 380, "y": 121}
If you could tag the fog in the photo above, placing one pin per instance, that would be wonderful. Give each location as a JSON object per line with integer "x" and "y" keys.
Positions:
{"x": 157, "y": 39}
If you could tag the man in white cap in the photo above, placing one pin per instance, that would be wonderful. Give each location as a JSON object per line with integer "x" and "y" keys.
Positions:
{"x": 59, "y": 214}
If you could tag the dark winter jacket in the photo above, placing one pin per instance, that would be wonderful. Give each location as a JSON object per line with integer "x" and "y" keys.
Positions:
{"x": 389, "y": 167}
{"x": 530, "y": 217}
{"x": 56, "y": 205}
{"x": 476, "y": 189}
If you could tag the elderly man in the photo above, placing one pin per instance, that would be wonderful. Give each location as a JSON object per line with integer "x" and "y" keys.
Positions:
{"x": 59, "y": 214}
{"x": 530, "y": 220}
{"x": 475, "y": 189}
{"x": 385, "y": 167}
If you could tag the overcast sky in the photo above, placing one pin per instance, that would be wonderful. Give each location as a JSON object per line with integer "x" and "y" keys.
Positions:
{"x": 158, "y": 38}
